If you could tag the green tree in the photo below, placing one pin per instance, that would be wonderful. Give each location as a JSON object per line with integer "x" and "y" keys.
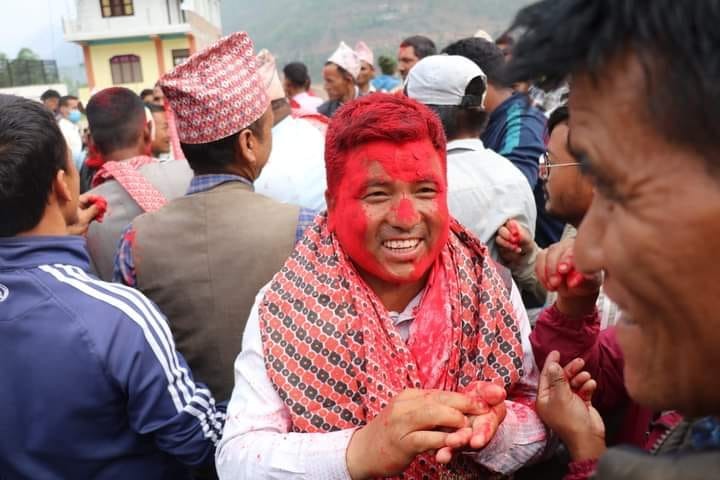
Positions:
{"x": 27, "y": 54}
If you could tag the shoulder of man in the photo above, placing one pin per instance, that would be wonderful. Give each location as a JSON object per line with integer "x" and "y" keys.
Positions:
{"x": 102, "y": 309}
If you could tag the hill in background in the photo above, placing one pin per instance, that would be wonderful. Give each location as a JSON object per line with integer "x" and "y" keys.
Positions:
{"x": 310, "y": 30}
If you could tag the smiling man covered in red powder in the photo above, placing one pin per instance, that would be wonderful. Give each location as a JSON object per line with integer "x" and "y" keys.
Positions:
{"x": 389, "y": 344}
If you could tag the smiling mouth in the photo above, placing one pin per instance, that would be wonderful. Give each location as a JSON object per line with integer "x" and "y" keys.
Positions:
{"x": 401, "y": 245}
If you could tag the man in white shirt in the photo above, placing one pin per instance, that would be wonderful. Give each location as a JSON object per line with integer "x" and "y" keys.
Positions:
{"x": 389, "y": 341}
{"x": 68, "y": 118}
{"x": 295, "y": 172}
{"x": 296, "y": 84}
{"x": 484, "y": 188}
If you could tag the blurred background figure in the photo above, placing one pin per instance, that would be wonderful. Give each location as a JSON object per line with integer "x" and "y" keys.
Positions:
{"x": 148, "y": 96}
{"x": 367, "y": 68}
{"x": 297, "y": 87}
{"x": 158, "y": 96}
{"x": 51, "y": 99}
{"x": 387, "y": 81}
{"x": 339, "y": 76}
{"x": 295, "y": 172}
{"x": 412, "y": 50}
{"x": 69, "y": 117}
{"x": 160, "y": 133}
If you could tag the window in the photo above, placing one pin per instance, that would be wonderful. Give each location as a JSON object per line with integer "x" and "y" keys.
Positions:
{"x": 116, "y": 8}
{"x": 126, "y": 69}
{"x": 180, "y": 56}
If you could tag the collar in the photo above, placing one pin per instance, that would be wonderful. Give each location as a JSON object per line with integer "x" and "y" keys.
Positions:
{"x": 32, "y": 251}
{"x": 410, "y": 311}
{"x": 463, "y": 144}
{"x": 516, "y": 97}
{"x": 203, "y": 183}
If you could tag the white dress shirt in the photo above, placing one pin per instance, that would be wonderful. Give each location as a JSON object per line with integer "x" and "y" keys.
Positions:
{"x": 71, "y": 132}
{"x": 485, "y": 190}
{"x": 308, "y": 102}
{"x": 295, "y": 172}
{"x": 257, "y": 442}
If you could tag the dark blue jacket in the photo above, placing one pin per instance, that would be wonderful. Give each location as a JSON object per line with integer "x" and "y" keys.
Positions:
{"x": 516, "y": 131}
{"x": 90, "y": 383}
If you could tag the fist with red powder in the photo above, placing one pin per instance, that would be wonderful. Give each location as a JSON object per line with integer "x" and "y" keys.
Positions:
{"x": 90, "y": 208}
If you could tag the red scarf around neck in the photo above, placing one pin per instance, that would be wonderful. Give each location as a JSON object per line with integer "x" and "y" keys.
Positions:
{"x": 336, "y": 359}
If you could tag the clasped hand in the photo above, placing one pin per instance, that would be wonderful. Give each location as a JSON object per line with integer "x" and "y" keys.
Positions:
{"x": 420, "y": 421}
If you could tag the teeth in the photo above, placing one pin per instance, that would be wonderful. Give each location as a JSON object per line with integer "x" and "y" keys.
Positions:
{"x": 401, "y": 244}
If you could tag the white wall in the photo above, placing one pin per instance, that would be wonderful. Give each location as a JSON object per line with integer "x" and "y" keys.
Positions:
{"x": 148, "y": 13}
{"x": 33, "y": 92}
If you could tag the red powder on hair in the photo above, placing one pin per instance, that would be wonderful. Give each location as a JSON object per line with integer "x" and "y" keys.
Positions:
{"x": 378, "y": 117}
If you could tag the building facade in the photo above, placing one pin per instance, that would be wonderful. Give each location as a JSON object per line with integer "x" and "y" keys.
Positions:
{"x": 131, "y": 43}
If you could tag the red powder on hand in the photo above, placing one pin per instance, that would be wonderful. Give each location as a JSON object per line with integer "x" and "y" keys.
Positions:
{"x": 101, "y": 204}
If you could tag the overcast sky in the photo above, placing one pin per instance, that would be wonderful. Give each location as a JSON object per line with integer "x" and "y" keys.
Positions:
{"x": 37, "y": 24}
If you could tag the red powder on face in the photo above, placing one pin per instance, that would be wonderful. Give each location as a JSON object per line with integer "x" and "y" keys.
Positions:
{"x": 405, "y": 211}
{"x": 350, "y": 216}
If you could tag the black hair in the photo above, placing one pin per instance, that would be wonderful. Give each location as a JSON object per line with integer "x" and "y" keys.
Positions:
{"x": 423, "y": 46}
{"x": 215, "y": 157}
{"x": 297, "y": 74}
{"x": 65, "y": 100}
{"x": 486, "y": 55}
{"x": 674, "y": 41}
{"x": 32, "y": 151}
{"x": 116, "y": 117}
{"x": 469, "y": 117}
{"x": 48, "y": 94}
{"x": 387, "y": 65}
{"x": 558, "y": 116}
{"x": 146, "y": 91}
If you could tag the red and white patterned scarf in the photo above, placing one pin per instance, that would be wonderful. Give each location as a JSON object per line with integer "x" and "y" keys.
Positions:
{"x": 336, "y": 359}
{"x": 127, "y": 174}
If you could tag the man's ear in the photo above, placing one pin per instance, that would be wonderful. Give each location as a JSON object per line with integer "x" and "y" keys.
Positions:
{"x": 247, "y": 143}
{"x": 61, "y": 189}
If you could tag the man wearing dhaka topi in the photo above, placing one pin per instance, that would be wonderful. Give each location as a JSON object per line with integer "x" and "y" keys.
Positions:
{"x": 389, "y": 344}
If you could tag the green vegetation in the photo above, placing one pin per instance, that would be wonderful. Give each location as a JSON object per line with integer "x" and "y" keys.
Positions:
{"x": 310, "y": 30}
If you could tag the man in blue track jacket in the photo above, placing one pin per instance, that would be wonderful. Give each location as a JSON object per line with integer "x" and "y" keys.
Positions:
{"x": 91, "y": 385}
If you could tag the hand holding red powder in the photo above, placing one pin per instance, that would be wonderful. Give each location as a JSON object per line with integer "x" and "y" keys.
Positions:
{"x": 413, "y": 423}
{"x": 101, "y": 204}
{"x": 90, "y": 207}
{"x": 482, "y": 427}
{"x": 513, "y": 242}
{"x": 555, "y": 269}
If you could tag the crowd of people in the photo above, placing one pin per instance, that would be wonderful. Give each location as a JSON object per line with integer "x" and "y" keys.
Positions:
{"x": 493, "y": 266}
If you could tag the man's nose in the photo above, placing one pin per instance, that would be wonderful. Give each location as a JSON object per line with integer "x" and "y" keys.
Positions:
{"x": 404, "y": 214}
{"x": 589, "y": 245}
